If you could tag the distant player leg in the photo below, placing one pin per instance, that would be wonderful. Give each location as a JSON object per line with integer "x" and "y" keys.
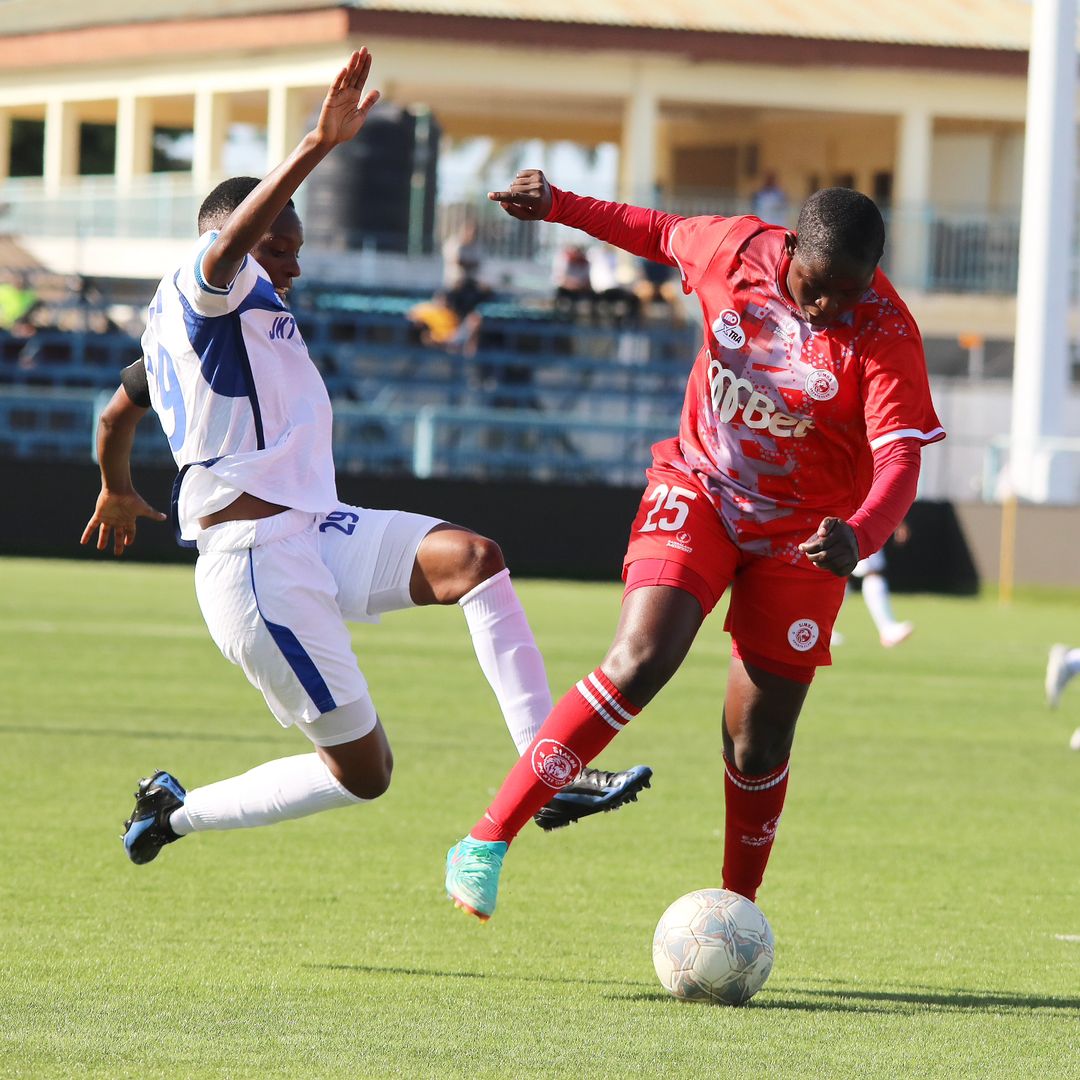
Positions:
{"x": 1061, "y": 666}
{"x": 878, "y": 599}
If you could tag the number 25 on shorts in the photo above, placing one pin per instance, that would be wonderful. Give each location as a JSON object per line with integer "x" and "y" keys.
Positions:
{"x": 670, "y": 508}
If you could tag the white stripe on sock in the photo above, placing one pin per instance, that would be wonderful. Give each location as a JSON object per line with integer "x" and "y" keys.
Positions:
{"x": 597, "y": 706}
{"x": 610, "y": 699}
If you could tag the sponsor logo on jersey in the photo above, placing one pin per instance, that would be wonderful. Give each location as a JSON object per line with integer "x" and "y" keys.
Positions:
{"x": 822, "y": 385}
{"x": 681, "y": 542}
{"x": 282, "y": 328}
{"x": 759, "y": 412}
{"x": 728, "y": 331}
{"x": 556, "y": 765}
{"x": 803, "y": 634}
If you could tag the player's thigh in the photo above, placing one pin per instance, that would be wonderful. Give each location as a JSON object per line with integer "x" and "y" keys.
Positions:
{"x": 371, "y": 554}
{"x": 677, "y": 539}
{"x": 784, "y": 613}
{"x": 272, "y": 610}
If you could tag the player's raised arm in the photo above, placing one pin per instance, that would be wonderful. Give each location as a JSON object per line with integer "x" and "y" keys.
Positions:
{"x": 119, "y": 505}
{"x": 344, "y": 110}
{"x": 647, "y": 233}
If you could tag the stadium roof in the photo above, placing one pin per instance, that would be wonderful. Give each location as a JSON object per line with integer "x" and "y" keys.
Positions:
{"x": 965, "y": 24}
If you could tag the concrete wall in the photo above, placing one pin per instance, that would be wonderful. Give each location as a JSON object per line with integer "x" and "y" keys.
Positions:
{"x": 1047, "y": 543}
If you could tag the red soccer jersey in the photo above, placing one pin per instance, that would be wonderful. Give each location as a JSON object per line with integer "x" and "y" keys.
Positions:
{"x": 780, "y": 418}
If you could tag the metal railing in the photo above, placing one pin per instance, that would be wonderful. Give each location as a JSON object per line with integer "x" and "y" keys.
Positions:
{"x": 957, "y": 249}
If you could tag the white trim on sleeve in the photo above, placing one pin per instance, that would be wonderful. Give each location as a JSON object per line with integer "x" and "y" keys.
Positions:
{"x": 671, "y": 251}
{"x": 908, "y": 433}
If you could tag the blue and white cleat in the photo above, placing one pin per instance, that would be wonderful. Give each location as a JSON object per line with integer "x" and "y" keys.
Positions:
{"x": 472, "y": 875}
{"x": 593, "y": 792}
{"x": 147, "y": 831}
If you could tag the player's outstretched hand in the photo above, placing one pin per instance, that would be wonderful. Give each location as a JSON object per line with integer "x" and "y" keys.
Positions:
{"x": 833, "y": 547}
{"x": 528, "y": 197}
{"x": 118, "y": 514}
{"x": 345, "y": 108}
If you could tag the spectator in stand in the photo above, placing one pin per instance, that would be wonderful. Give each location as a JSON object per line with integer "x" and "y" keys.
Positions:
{"x": 462, "y": 255}
{"x": 573, "y": 280}
{"x": 769, "y": 203}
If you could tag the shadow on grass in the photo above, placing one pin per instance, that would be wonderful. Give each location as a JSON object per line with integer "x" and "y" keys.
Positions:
{"x": 798, "y": 999}
{"x": 499, "y": 976}
{"x": 138, "y": 733}
{"x": 804, "y": 999}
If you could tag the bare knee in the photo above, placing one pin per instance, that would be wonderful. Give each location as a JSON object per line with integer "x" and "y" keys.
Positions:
{"x": 640, "y": 667}
{"x": 451, "y": 562}
{"x": 362, "y": 766}
{"x": 366, "y": 780}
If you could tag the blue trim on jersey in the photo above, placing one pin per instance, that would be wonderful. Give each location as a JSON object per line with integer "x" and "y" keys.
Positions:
{"x": 202, "y": 282}
{"x": 223, "y": 357}
{"x": 174, "y": 501}
{"x": 296, "y": 655}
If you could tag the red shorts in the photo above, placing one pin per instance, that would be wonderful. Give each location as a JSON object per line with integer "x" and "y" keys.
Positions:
{"x": 780, "y": 615}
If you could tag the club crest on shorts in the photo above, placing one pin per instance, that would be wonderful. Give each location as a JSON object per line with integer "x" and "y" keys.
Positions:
{"x": 803, "y": 634}
{"x": 727, "y": 329}
{"x": 555, "y": 764}
{"x": 822, "y": 385}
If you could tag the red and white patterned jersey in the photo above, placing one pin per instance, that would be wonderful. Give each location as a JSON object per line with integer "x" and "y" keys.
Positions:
{"x": 780, "y": 418}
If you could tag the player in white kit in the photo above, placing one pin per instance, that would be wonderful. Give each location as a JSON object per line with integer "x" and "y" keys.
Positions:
{"x": 282, "y": 563}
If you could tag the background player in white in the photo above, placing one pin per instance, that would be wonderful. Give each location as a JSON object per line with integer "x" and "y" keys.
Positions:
{"x": 282, "y": 563}
{"x": 877, "y": 596}
{"x": 1061, "y": 666}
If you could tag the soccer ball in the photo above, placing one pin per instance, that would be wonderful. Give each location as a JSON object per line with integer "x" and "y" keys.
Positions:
{"x": 713, "y": 945}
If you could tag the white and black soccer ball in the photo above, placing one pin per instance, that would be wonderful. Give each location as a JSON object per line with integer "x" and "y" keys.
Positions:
{"x": 713, "y": 945}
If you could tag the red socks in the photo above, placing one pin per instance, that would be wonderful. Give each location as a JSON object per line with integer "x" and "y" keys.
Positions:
{"x": 583, "y": 722}
{"x": 753, "y": 805}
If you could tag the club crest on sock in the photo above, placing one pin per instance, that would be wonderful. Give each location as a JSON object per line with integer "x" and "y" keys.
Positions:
{"x": 555, "y": 764}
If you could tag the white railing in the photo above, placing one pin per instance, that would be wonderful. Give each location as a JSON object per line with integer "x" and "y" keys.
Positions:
{"x": 955, "y": 250}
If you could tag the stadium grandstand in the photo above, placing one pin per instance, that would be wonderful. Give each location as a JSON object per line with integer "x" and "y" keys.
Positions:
{"x": 116, "y": 117}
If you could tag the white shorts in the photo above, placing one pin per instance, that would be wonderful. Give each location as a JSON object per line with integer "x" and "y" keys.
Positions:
{"x": 872, "y": 564}
{"x": 276, "y": 594}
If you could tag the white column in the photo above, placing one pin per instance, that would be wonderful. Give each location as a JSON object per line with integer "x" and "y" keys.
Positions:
{"x": 908, "y": 235}
{"x": 285, "y": 122}
{"x": 638, "y": 157}
{"x": 134, "y": 140}
{"x": 61, "y": 145}
{"x": 5, "y": 145}
{"x": 1040, "y": 370}
{"x": 211, "y": 130}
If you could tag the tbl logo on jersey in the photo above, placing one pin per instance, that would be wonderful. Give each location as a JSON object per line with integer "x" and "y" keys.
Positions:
{"x": 822, "y": 385}
{"x": 728, "y": 331}
{"x": 555, "y": 764}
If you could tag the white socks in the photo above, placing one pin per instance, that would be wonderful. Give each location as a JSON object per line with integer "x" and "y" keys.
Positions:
{"x": 508, "y": 656}
{"x": 287, "y": 788}
{"x": 875, "y": 592}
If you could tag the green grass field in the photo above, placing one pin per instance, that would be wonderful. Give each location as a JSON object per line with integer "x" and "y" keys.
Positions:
{"x": 924, "y": 890}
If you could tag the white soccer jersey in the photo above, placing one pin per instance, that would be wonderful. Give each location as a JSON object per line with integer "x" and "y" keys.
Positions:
{"x": 238, "y": 396}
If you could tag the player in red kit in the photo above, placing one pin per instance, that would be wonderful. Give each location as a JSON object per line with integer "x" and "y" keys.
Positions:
{"x": 798, "y": 453}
